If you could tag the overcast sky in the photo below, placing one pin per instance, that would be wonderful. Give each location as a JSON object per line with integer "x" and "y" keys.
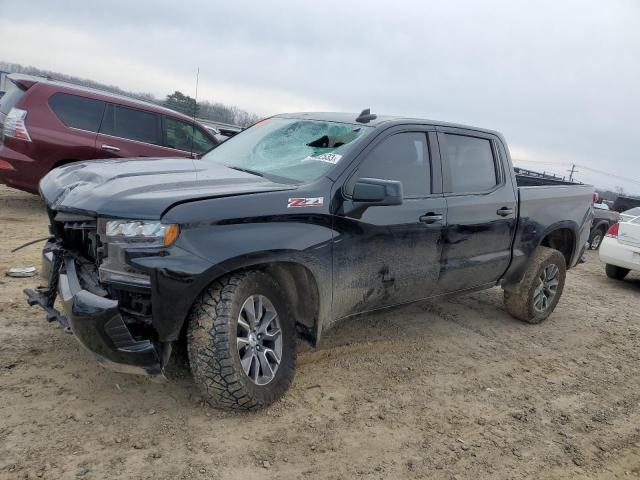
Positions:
{"x": 560, "y": 79}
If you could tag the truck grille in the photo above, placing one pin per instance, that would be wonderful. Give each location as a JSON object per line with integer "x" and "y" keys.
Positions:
{"x": 78, "y": 233}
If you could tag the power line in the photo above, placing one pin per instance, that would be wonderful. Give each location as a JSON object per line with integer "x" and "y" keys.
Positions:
{"x": 600, "y": 172}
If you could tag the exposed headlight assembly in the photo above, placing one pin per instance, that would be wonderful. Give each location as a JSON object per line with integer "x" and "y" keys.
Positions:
{"x": 142, "y": 231}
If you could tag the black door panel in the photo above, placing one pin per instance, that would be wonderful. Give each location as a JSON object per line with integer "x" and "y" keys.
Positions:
{"x": 480, "y": 224}
{"x": 477, "y": 243}
{"x": 391, "y": 255}
{"x": 387, "y": 257}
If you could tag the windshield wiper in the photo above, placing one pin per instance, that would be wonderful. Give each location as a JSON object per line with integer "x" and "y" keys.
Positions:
{"x": 246, "y": 170}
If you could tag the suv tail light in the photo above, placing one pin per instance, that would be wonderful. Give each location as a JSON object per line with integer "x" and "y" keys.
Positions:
{"x": 14, "y": 125}
{"x": 613, "y": 230}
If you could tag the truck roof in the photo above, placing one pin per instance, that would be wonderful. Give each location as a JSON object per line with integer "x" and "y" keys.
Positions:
{"x": 344, "y": 117}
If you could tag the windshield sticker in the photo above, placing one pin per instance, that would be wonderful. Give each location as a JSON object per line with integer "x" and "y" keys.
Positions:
{"x": 305, "y": 202}
{"x": 332, "y": 158}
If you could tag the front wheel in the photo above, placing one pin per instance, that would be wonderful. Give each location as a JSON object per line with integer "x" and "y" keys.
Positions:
{"x": 536, "y": 296}
{"x": 241, "y": 342}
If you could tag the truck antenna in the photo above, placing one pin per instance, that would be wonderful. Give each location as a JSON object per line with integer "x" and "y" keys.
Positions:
{"x": 195, "y": 110}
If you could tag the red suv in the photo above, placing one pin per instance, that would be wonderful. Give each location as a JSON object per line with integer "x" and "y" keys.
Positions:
{"x": 47, "y": 123}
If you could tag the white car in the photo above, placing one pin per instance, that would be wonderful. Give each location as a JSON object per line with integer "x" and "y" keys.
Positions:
{"x": 620, "y": 248}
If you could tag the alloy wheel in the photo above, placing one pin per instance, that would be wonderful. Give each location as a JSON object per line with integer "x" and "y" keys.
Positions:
{"x": 547, "y": 287}
{"x": 259, "y": 339}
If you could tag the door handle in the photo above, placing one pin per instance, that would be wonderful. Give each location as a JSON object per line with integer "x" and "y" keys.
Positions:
{"x": 431, "y": 218}
{"x": 111, "y": 148}
{"x": 505, "y": 211}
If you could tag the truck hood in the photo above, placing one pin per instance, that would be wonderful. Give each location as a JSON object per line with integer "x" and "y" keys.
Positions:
{"x": 144, "y": 188}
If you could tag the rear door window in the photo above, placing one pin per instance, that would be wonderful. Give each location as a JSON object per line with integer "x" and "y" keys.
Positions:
{"x": 133, "y": 124}
{"x": 470, "y": 162}
{"x": 186, "y": 137}
{"x": 77, "y": 112}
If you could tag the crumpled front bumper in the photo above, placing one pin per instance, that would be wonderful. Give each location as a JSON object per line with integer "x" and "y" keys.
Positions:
{"x": 95, "y": 321}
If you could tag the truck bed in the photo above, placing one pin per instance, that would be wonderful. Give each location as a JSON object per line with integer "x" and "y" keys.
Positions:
{"x": 547, "y": 207}
{"x": 529, "y": 178}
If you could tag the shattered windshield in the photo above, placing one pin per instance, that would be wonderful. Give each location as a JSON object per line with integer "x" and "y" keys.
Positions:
{"x": 291, "y": 149}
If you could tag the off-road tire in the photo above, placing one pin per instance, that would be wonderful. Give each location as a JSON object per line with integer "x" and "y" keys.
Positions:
{"x": 519, "y": 299}
{"x": 599, "y": 233}
{"x": 617, "y": 273}
{"x": 211, "y": 343}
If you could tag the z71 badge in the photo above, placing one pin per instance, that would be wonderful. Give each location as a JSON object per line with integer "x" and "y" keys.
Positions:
{"x": 305, "y": 202}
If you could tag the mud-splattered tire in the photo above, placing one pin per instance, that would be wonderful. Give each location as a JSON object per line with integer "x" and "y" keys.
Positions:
{"x": 617, "y": 273}
{"x": 217, "y": 343}
{"x": 524, "y": 300}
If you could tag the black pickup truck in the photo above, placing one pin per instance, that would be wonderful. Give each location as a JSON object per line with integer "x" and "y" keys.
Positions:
{"x": 286, "y": 228}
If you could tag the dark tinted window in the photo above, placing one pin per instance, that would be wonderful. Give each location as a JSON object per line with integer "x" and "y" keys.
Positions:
{"x": 133, "y": 124}
{"x": 77, "y": 112}
{"x": 471, "y": 164}
{"x": 184, "y": 136}
{"x": 403, "y": 157}
{"x": 11, "y": 97}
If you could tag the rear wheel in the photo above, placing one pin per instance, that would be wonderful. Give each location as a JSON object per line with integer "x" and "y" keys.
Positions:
{"x": 536, "y": 296}
{"x": 617, "y": 273}
{"x": 241, "y": 342}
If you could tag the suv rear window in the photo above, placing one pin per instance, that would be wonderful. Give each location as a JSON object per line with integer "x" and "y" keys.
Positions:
{"x": 12, "y": 96}
{"x": 77, "y": 112}
{"x": 133, "y": 124}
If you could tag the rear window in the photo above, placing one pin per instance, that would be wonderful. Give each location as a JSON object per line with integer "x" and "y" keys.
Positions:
{"x": 132, "y": 124}
{"x": 77, "y": 112}
{"x": 11, "y": 97}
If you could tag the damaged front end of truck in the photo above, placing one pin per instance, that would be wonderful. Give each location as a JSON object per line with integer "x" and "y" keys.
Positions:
{"x": 106, "y": 302}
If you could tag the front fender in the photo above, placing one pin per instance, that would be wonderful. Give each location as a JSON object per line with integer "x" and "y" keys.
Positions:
{"x": 206, "y": 252}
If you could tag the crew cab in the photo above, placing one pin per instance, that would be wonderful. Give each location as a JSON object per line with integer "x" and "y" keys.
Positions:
{"x": 288, "y": 227}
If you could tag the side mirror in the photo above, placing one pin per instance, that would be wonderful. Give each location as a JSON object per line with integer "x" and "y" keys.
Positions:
{"x": 375, "y": 191}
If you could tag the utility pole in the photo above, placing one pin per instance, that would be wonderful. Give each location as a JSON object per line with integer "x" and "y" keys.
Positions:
{"x": 571, "y": 172}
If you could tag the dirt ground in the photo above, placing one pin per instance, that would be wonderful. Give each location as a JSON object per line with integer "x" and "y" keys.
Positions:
{"x": 454, "y": 389}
